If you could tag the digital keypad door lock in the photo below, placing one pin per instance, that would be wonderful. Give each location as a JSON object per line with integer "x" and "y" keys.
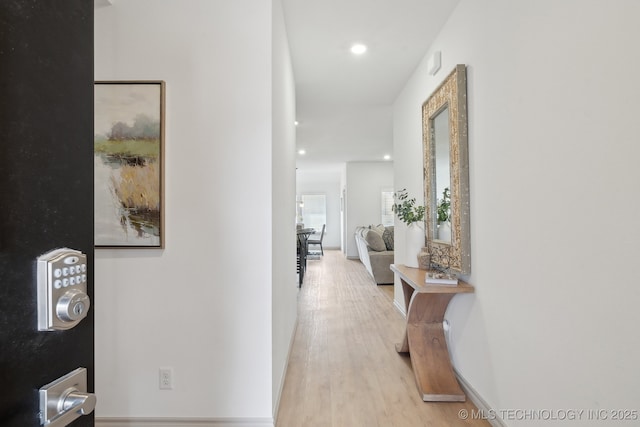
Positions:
{"x": 62, "y": 289}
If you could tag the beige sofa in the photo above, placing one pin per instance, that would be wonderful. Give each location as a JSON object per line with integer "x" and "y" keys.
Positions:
{"x": 376, "y": 251}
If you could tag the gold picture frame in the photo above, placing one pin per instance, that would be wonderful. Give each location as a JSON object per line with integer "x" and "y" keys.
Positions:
{"x": 448, "y": 101}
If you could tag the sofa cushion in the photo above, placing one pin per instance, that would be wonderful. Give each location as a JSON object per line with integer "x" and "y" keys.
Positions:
{"x": 374, "y": 241}
{"x": 387, "y": 236}
{"x": 379, "y": 228}
{"x": 380, "y": 262}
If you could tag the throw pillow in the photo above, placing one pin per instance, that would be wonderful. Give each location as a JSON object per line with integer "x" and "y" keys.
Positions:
{"x": 387, "y": 236}
{"x": 378, "y": 228}
{"x": 374, "y": 241}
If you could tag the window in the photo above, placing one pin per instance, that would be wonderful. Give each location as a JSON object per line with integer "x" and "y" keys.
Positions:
{"x": 314, "y": 211}
{"x": 387, "y": 211}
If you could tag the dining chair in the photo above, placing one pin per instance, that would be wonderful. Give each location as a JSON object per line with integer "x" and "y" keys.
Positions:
{"x": 318, "y": 241}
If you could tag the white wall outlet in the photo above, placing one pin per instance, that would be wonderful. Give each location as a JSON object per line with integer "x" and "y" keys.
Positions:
{"x": 166, "y": 379}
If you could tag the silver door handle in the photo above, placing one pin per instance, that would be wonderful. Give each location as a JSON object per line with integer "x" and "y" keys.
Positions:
{"x": 80, "y": 402}
{"x": 66, "y": 399}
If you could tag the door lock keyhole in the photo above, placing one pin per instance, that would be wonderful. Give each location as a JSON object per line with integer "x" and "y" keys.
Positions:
{"x": 72, "y": 306}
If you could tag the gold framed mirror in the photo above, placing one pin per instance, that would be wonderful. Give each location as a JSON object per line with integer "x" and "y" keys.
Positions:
{"x": 446, "y": 174}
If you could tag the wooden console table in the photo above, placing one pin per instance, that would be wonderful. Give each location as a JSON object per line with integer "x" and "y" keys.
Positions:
{"x": 424, "y": 339}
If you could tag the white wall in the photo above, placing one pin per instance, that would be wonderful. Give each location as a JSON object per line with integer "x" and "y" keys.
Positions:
{"x": 365, "y": 182}
{"x": 285, "y": 284}
{"x": 206, "y": 304}
{"x": 327, "y": 183}
{"x": 553, "y": 106}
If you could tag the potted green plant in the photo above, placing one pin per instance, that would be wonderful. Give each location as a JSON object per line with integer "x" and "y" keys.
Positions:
{"x": 411, "y": 214}
{"x": 406, "y": 209}
{"x": 443, "y": 211}
{"x": 444, "y": 206}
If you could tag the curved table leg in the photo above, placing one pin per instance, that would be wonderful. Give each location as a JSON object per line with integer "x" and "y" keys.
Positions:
{"x": 425, "y": 341}
{"x": 407, "y": 290}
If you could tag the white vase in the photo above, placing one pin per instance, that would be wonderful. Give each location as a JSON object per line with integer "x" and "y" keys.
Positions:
{"x": 415, "y": 239}
{"x": 444, "y": 231}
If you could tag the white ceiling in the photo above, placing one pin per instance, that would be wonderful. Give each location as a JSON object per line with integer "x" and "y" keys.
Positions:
{"x": 344, "y": 102}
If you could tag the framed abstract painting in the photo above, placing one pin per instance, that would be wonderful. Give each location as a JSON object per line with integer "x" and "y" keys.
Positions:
{"x": 129, "y": 164}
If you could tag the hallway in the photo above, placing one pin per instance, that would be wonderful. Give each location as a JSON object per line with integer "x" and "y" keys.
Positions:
{"x": 343, "y": 369}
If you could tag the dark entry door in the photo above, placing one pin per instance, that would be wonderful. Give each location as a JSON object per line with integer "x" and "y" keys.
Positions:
{"x": 46, "y": 190}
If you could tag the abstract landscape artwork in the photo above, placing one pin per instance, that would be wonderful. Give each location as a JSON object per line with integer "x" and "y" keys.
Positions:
{"x": 129, "y": 164}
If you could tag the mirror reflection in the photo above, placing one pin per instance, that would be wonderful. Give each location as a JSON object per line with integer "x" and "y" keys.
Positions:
{"x": 440, "y": 134}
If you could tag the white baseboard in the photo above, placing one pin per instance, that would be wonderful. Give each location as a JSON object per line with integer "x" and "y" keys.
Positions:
{"x": 284, "y": 373}
{"x": 184, "y": 422}
{"x": 400, "y": 308}
{"x": 491, "y": 416}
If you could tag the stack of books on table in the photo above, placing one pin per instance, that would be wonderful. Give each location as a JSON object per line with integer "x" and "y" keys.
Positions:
{"x": 438, "y": 278}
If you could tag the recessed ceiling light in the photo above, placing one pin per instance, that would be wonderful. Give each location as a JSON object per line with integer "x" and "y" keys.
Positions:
{"x": 296, "y": 123}
{"x": 302, "y": 152}
{"x": 387, "y": 157}
{"x": 358, "y": 49}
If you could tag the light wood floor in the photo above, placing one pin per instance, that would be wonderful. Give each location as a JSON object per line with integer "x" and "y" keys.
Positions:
{"x": 343, "y": 369}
